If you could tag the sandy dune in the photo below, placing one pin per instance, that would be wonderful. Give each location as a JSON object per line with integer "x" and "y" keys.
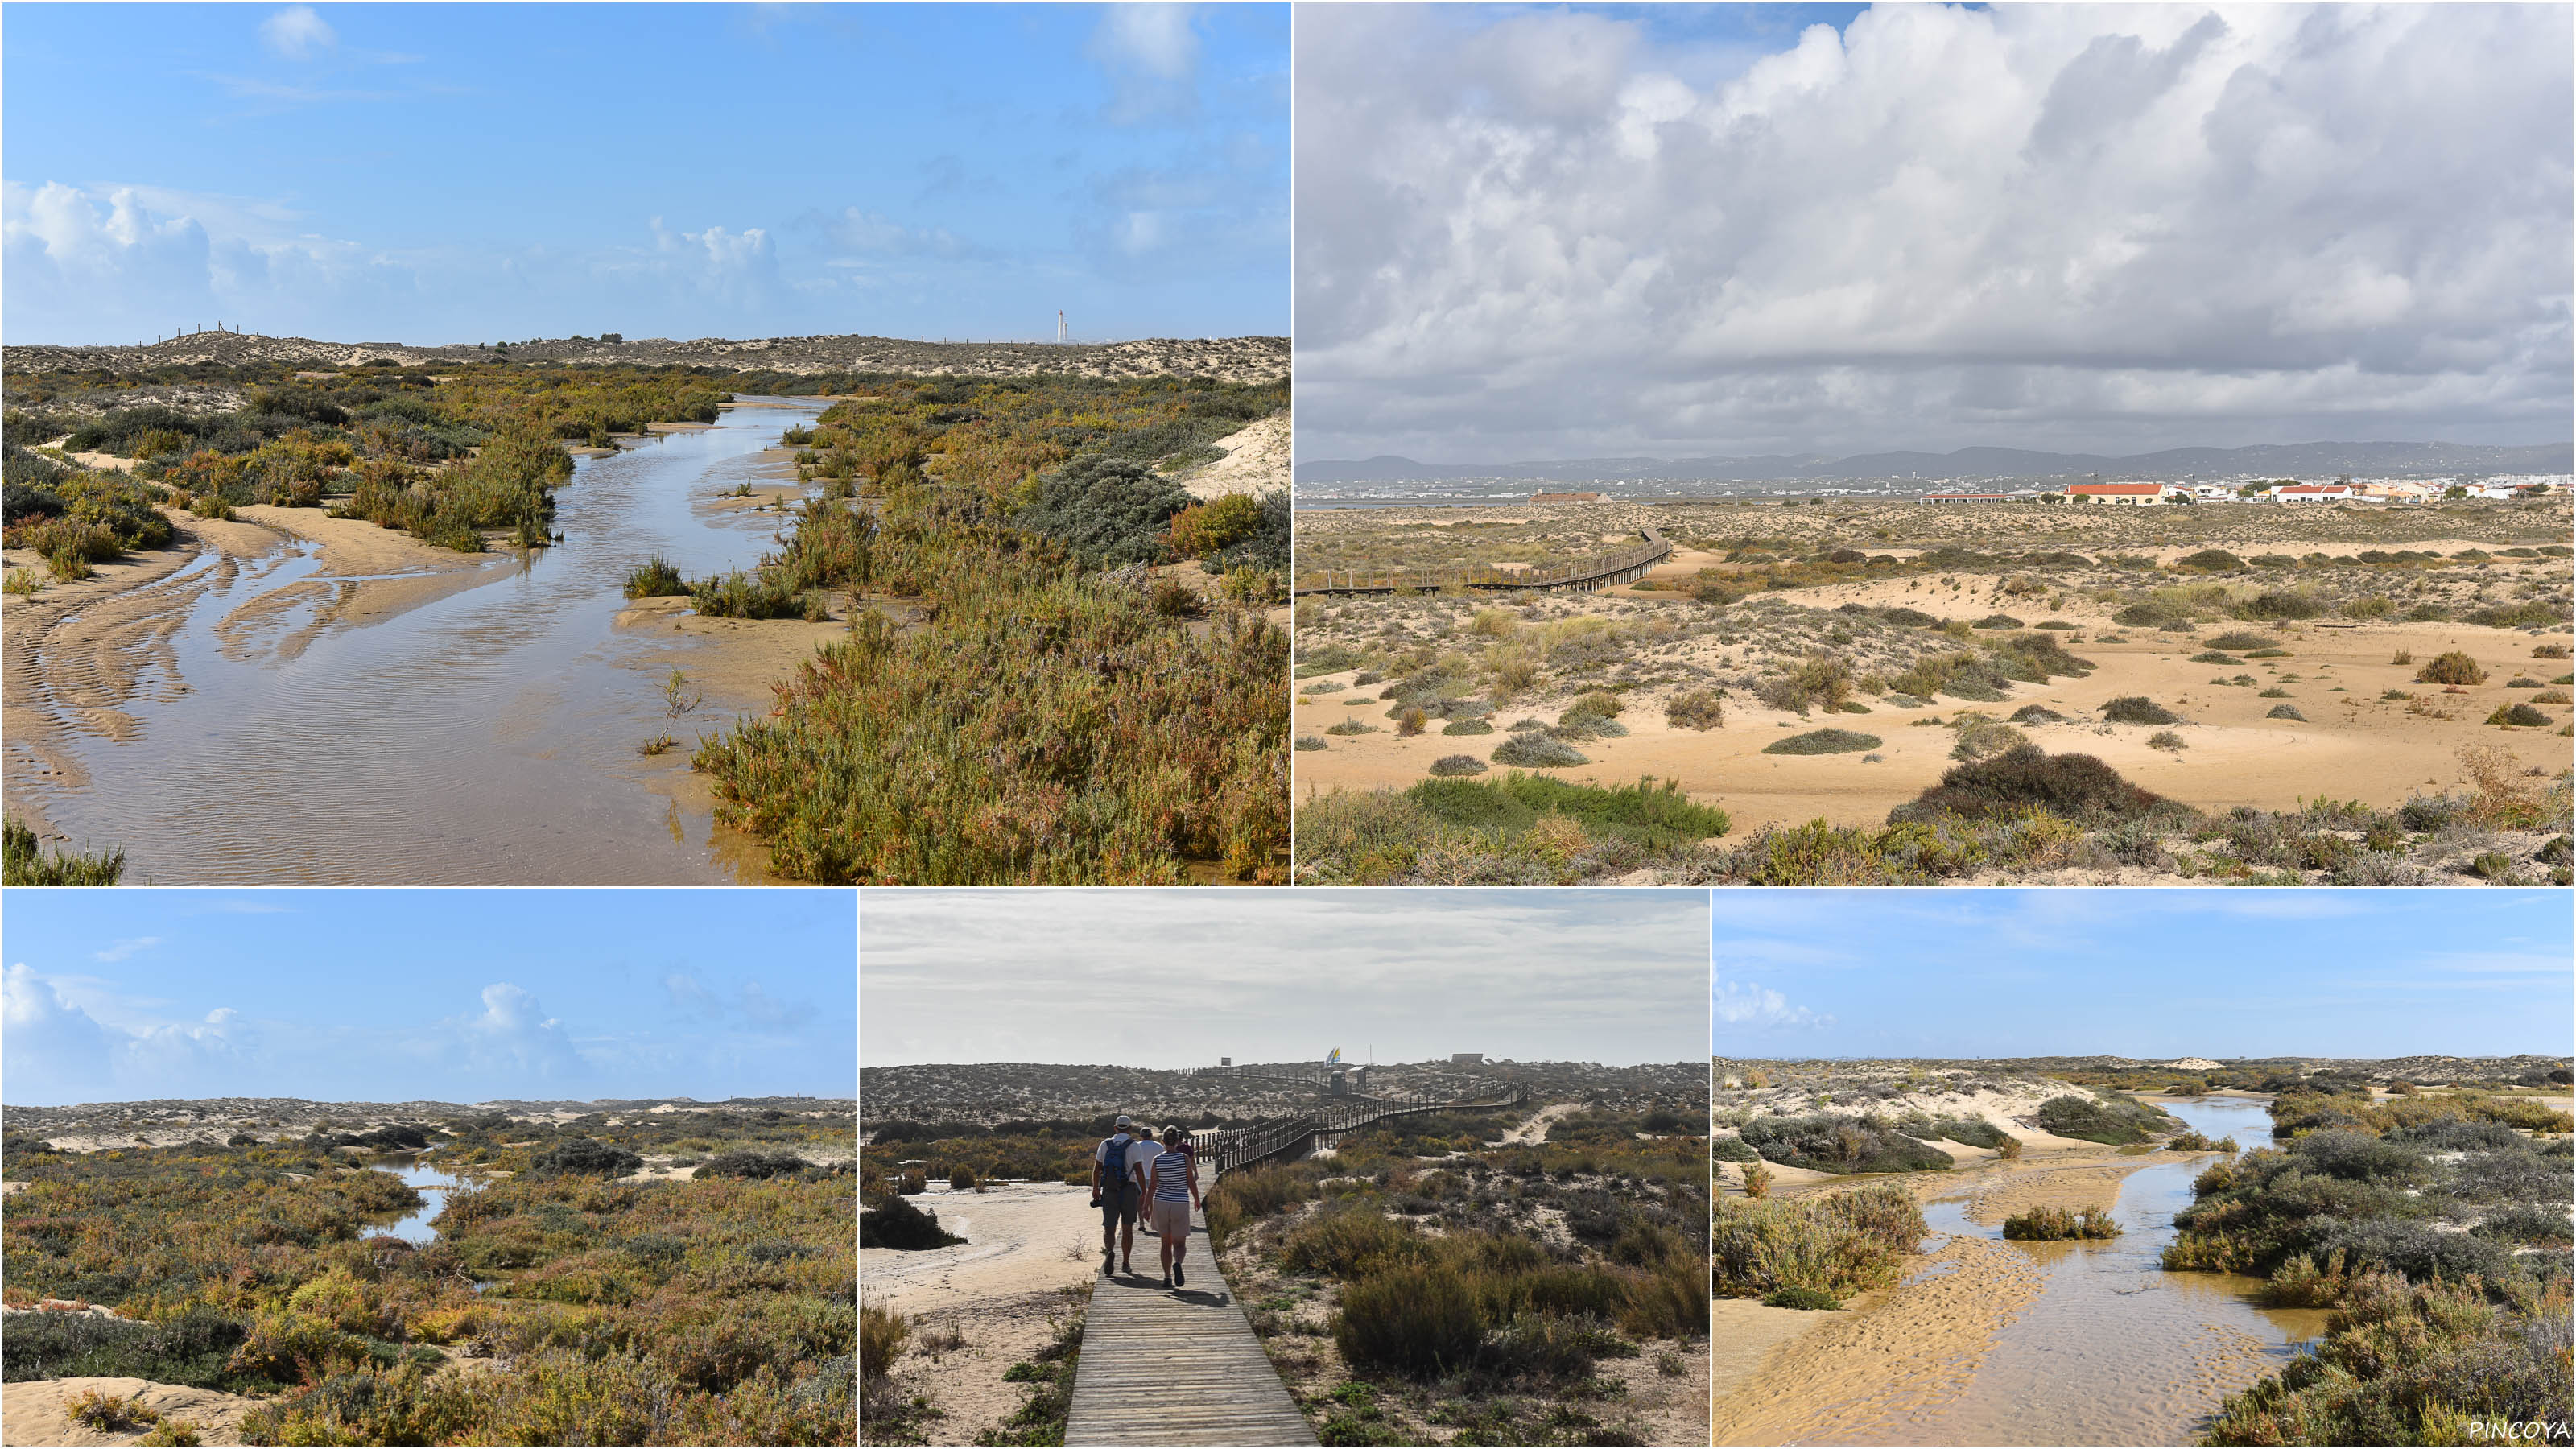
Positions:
{"x": 2353, "y": 745}
{"x": 1255, "y": 461}
{"x": 33, "y": 1410}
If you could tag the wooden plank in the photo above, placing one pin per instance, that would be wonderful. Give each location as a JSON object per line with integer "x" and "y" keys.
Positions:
{"x": 1176, "y": 1366}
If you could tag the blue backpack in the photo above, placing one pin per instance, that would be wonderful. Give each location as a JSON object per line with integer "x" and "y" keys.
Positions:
{"x": 1113, "y": 1164}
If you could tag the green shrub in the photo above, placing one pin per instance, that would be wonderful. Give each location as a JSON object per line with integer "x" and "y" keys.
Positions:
{"x": 2212, "y": 560}
{"x": 2092, "y": 1119}
{"x": 658, "y": 578}
{"x": 2243, "y": 639}
{"x": 2451, "y": 667}
{"x": 583, "y": 1157}
{"x": 1834, "y": 1243}
{"x": 1823, "y": 742}
{"x": 1419, "y": 1321}
{"x": 1696, "y": 709}
{"x": 2140, "y": 710}
{"x": 1797, "y": 1297}
{"x": 28, "y": 863}
{"x": 1468, "y": 727}
{"x": 1538, "y": 751}
{"x": 898, "y": 1222}
{"x": 2517, "y": 714}
{"x": 2078, "y": 787}
{"x": 2055, "y": 1224}
{"x": 1107, "y": 510}
{"x": 2286, "y": 711}
{"x": 1840, "y": 1143}
{"x": 1448, "y": 765}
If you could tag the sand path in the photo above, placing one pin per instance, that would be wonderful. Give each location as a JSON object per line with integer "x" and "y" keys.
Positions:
{"x": 983, "y": 1305}
{"x": 1535, "y": 1130}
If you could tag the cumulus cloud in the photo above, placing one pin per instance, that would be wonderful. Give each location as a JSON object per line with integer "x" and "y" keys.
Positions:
{"x": 2045, "y": 226}
{"x": 870, "y": 234}
{"x": 53, "y": 1051}
{"x": 297, "y": 33}
{"x": 513, "y": 1039}
{"x": 1741, "y": 1004}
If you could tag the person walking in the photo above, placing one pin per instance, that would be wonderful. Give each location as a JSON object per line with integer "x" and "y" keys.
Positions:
{"x": 1175, "y": 1190}
{"x": 1115, "y": 1190}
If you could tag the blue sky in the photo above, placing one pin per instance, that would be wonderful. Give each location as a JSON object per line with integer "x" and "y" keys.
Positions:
{"x": 454, "y": 995}
{"x": 2141, "y": 973}
{"x": 468, "y": 173}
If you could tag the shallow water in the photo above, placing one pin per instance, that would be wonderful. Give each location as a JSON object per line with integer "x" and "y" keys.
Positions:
{"x": 433, "y": 1185}
{"x": 487, "y": 737}
{"x": 2116, "y": 1350}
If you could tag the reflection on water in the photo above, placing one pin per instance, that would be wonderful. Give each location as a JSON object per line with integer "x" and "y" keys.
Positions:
{"x": 2116, "y": 1350}
{"x": 485, "y": 737}
{"x": 433, "y": 1186}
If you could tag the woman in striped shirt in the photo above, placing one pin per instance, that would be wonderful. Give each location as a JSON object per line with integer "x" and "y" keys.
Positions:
{"x": 1172, "y": 1187}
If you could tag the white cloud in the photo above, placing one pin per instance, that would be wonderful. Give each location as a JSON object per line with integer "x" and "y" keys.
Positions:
{"x": 2052, "y": 226}
{"x": 297, "y": 33}
{"x": 1150, "y": 54}
{"x": 53, "y": 1051}
{"x": 1759, "y": 1008}
{"x": 123, "y": 949}
{"x": 515, "y": 1040}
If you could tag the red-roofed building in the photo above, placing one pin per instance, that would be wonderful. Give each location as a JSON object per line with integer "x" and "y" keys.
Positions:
{"x": 2129, "y": 493}
{"x": 2315, "y": 493}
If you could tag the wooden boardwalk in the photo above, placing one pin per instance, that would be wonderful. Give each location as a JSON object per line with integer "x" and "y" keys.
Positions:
{"x": 1176, "y": 1367}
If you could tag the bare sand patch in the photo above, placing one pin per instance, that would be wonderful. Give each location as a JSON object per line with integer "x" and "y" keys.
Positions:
{"x": 34, "y": 1410}
{"x": 1255, "y": 461}
{"x": 1535, "y": 1130}
{"x": 2352, "y": 745}
{"x": 1021, "y": 1238}
{"x": 1744, "y": 1331}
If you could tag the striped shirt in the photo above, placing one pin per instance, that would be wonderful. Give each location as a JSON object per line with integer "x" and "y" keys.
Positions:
{"x": 1171, "y": 1177}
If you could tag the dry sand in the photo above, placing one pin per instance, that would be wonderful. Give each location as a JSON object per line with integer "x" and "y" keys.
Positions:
{"x": 33, "y": 1411}
{"x": 1255, "y": 461}
{"x": 998, "y": 1290}
{"x": 1536, "y": 1128}
{"x": 2352, "y": 746}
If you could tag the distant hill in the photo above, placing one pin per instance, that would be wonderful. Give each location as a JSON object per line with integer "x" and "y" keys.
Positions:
{"x": 1233, "y": 359}
{"x": 2287, "y": 460}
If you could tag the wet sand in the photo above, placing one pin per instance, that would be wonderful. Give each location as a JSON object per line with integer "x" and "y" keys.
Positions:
{"x": 304, "y": 699}
{"x": 1990, "y": 1342}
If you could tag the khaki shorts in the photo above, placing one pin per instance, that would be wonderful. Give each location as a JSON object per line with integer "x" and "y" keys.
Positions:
{"x": 1171, "y": 1219}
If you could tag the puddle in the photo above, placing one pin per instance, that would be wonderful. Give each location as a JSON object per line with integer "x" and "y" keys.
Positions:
{"x": 434, "y": 1186}
{"x": 485, "y": 737}
{"x": 2116, "y": 1350}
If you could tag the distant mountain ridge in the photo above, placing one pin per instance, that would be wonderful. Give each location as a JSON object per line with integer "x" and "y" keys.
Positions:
{"x": 2283, "y": 459}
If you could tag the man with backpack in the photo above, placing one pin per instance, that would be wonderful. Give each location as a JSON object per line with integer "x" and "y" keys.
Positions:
{"x": 1118, "y": 1190}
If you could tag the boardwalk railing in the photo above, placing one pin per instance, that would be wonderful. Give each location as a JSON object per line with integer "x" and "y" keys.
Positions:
{"x": 1239, "y": 1148}
{"x": 1588, "y": 573}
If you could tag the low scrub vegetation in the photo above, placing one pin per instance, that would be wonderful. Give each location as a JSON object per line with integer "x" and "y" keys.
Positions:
{"x": 2437, "y": 1233}
{"x": 1823, "y": 1247}
{"x": 719, "y": 1311}
{"x": 29, "y": 863}
{"x": 1515, "y": 828}
{"x": 2057, "y": 1224}
{"x": 1049, "y": 718}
